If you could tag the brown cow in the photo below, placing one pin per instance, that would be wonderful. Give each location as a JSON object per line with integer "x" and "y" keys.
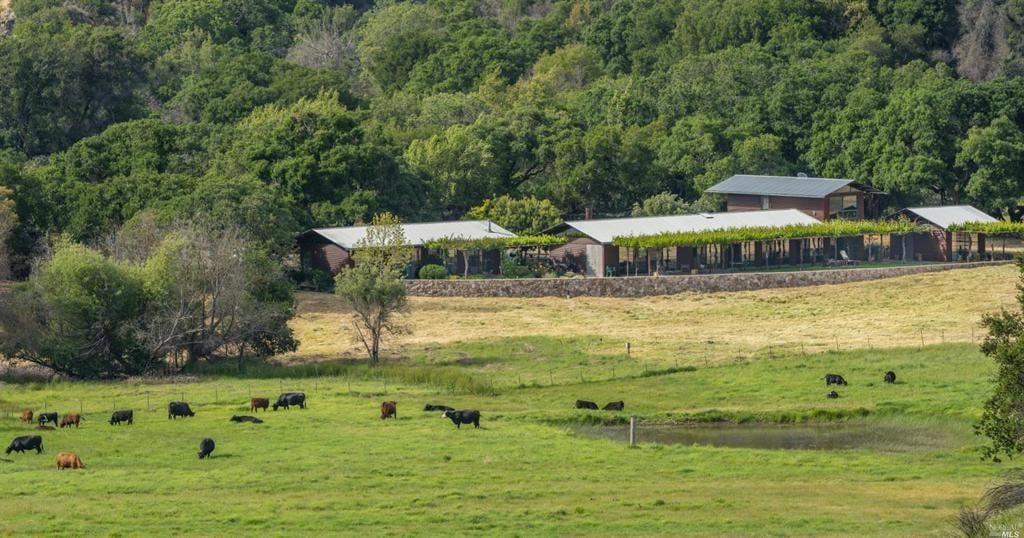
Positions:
{"x": 69, "y": 460}
{"x": 26, "y": 415}
{"x": 259, "y": 403}
{"x": 69, "y": 419}
{"x": 388, "y": 409}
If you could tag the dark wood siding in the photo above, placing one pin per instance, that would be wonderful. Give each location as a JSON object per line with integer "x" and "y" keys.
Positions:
{"x": 318, "y": 253}
{"x": 815, "y": 207}
{"x": 573, "y": 253}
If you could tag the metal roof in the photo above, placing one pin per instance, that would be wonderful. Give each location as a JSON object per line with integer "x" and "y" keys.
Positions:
{"x": 603, "y": 230}
{"x": 420, "y": 234}
{"x": 945, "y": 216}
{"x": 799, "y": 187}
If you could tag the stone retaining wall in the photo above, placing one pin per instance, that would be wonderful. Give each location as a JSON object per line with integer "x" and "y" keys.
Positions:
{"x": 641, "y": 286}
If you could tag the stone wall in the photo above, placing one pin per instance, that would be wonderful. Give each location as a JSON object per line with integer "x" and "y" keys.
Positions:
{"x": 664, "y": 285}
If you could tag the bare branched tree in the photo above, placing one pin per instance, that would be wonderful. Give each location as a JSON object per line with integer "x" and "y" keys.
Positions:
{"x": 328, "y": 42}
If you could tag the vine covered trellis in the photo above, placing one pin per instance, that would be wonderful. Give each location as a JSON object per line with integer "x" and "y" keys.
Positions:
{"x": 832, "y": 228}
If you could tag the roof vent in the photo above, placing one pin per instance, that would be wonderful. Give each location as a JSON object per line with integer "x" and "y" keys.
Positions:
{"x": 707, "y": 215}
{"x": 802, "y": 174}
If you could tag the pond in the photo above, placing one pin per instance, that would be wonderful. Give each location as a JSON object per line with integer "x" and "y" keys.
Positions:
{"x": 883, "y": 436}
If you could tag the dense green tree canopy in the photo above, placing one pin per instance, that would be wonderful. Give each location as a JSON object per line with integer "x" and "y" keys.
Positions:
{"x": 278, "y": 115}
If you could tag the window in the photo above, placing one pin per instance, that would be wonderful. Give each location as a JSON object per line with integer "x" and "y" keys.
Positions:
{"x": 843, "y": 207}
{"x": 766, "y": 202}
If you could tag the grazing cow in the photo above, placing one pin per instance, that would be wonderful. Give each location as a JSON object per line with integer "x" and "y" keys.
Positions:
{"x": 432, "y": 407}
{"x": 583, "y": 404}
{"x": 69, "y": 419}
{"x": 289, "y": 399}
{"x": 26, "y": 415}
{"x": 259, "y": 403}
{"x": 69, "y": 460}
{"x": 890, "y": 377}
{"x": 833, "y": 395}
{"x": 463, "y": 417}
{"x": 47, "y": 417}
{"x": 246, "y": 418}
{"x": 122, "y": 416}
{"x": 834, "y": 379}
{"x": 206, "y": 447}
{"x": 179, "y": 409}
{"x": 388, "y": 409}
{"x": 615, "y": 406}
{"x": 26, "y": 442}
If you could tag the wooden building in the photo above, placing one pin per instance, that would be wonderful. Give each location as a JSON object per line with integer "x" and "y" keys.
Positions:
{"x": 589, "y": 242}
{"x": 823, "y": 199}
{"x": 939, "y": 243}
{"x": 330, "y": 249}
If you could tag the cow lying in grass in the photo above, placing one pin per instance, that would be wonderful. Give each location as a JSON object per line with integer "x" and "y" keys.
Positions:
{"x": 615, "y": 406}
{"x": 459, "y": 418}
{"x": 832, "y": 395}
{"x": 246, "y": 418}
{"x": 584, "y": 404}
{"x": 433, "y": 407}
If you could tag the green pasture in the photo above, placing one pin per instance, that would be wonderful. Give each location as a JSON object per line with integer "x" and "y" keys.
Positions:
{"x": 337, "y": 469}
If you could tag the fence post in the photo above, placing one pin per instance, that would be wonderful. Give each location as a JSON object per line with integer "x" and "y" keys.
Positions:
{"x": 632, "y": 431}
{"x": 627, "y": 349}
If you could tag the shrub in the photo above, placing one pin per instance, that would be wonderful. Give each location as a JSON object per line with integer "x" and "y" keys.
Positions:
{"x": 321, "y": 280}
{"x": 510, "y": 268}
{"x": 433, "y": 272}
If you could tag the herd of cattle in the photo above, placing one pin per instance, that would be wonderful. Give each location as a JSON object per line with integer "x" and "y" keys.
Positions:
{"x": 388, "y": 409}
{"x": 71, "y": 460}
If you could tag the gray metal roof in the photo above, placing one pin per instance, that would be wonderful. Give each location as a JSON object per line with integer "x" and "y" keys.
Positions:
{"x": 420, "y": 234}
{"x": 945, "y": 216}
{"x": 799, "y": 187}
{"x": 604, "y": 230}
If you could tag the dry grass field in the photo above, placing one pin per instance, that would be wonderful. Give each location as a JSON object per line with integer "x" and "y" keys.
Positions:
{"x": 897, "y": 312}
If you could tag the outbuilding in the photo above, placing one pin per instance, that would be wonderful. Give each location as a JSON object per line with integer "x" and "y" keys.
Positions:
{"x": 940, "y": 243}
{"x": 331, "y": 249}
{"x": 590, "y": 242}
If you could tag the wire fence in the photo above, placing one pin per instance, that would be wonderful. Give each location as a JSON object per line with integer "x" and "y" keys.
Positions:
{"x": 634, "y": 359}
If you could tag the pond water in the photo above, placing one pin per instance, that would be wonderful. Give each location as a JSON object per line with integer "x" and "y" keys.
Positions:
{"x": 880, "y": 436}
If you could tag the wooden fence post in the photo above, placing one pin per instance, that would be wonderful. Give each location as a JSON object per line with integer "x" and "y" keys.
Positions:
{"x": 632, "y": 431}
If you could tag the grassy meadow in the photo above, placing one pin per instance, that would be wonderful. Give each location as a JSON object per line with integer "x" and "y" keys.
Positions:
{"x": 337, "y": 469}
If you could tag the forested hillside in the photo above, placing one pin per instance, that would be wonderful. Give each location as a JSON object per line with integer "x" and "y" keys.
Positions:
{"x": 284, "y": 114}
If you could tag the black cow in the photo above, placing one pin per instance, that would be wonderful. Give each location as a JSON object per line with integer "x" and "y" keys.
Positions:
{"x": 289, "y": 399}
{"x": 615, "y": 406}
{"x": 834, "y": 379}
{"x": 246, "y": 418}
{"x": 432, "y": 407}
{"x": 26, "y": 442}
{"x": 463, "y": 417}
{"x": 890, "y": 377}
{"x": 179, "y": 409}
{"x": 47, "y": 417}
{"x": 583, "y": 404}
{"x": 122, "y": 416}
{"x": 206, "y": 447}
{"x": 833, "y": 395}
